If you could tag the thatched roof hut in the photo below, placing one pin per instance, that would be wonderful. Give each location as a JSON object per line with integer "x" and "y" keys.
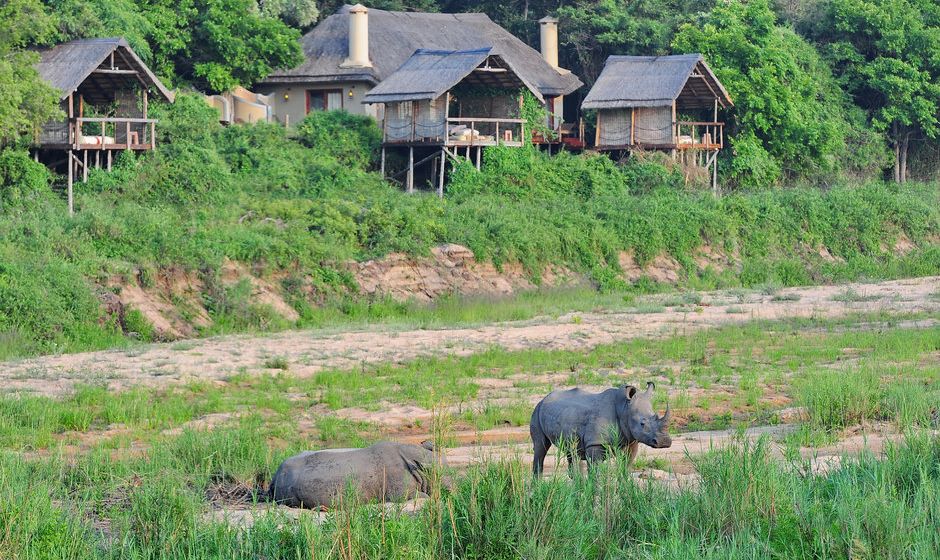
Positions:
{"x": 656, "y": 81}
{"x": 640, "y": 101}
{"x": 99, "y": 67}
{"x": 394, "y": 36}
{"x": 429, "y": 74}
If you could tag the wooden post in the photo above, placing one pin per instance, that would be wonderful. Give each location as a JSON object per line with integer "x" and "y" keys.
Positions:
{"x": 145, "y": 103}
{"x": 109, "y": 160}
{"x": 411, "y": 169}
{"x": 446, "y": 120}
{"x": 597, "y": 130}
{"x": 153, "y": 135}
{"x": 440, "y": 178}
{"x": 715, "y": 174}
{"x": 414, "y": 119}
{"x": 71, "y": 134}
{"x": 84, "y": 166}
{"x": 127, "y": 139}
{"x": 479, "y": 149}
{"x": 632, "y": 125}
{"x": 71, "y": 168}
{"x": 675, "y": 133}
{"x": 382, "y": 164}
{"x": 98, "y": 159}
{"x": 384, "y": 127}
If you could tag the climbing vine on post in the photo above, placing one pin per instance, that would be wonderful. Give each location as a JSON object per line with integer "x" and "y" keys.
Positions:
{"x": 535, "y": 115}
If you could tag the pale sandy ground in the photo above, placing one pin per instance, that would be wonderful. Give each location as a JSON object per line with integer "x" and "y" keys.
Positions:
{"x": 310, "y": 351}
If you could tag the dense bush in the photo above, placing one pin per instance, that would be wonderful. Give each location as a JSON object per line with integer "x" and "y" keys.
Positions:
{"x": 23, "y": 182}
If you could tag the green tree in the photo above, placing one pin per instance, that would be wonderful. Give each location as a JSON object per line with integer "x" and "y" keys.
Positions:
{"x": 230, "y": 46}
{"x": 592, "y": 30}
{"x": 789, "y": 111}
{"x": 25, "y": 100}
{"x": 213, "y": 44}
{"x": 887, "y": 53}
{"x": 299, "y": 13}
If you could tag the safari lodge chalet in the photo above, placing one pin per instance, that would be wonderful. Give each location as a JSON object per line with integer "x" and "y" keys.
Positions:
{"x": 441, "y": 104}
{"x": 665, "y": 103}
{"x": 352, "y": 53}
{"x": 104, "y": 91}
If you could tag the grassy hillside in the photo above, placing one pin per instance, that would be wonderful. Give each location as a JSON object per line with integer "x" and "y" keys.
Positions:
{"x": 299, "y": 202}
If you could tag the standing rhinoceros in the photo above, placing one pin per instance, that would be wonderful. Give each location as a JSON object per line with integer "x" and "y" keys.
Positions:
{"x": 385, "y": 471}
{"x": 593, "y": 423}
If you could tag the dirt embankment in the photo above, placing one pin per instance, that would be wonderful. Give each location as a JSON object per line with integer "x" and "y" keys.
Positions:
{"x": 174, "y": 301}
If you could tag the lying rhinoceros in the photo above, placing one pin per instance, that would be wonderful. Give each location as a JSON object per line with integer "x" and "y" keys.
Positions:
{"x": 386, "y": 472}
{"x": 594, "y": 423}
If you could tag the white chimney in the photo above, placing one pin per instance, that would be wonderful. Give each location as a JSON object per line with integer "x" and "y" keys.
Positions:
{"x": 548, "y": 27}
{"x": 358, "y": 38}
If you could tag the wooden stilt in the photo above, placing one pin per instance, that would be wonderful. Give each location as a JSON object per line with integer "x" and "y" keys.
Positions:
{"x": 440, "y": 178}
{"x": 71, "y": 166}
{"x": 479, "y": 150}
{"x": 36, "y": 156}
{"x": 98, "y": 159}
{"x": 383, "y": 162}
{"x": 715, "y": 174}
{"x": 109, "y": 160}
{"x": 411, "y": 169}
{"x": 84, "y": 166}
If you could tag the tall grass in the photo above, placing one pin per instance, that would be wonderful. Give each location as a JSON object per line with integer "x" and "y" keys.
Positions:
{"x": 746, "y": 505}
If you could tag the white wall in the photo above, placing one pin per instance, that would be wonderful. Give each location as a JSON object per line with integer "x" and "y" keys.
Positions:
{"x": 294, "y": 108}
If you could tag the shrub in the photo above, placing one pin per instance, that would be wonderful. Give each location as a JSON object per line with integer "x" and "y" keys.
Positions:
{"x": 23, "y": 182}
{"x": 350, "y": 139}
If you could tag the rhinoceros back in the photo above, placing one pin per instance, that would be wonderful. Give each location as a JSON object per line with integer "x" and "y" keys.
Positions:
{"x": 576, "y": 414}
{"x": 317, "y": 478}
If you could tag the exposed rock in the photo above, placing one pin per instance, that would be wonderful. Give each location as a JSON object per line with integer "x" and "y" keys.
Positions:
{"x": 450, "y": 269}
{"x": 716, "y": 258}
{"x": 663, "y": 268}
{"x": 112, "y": 307}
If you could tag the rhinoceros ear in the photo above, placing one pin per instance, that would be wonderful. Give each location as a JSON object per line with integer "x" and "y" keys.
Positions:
{"x": 428, "y": 444}
{"x": 630, "y": 391}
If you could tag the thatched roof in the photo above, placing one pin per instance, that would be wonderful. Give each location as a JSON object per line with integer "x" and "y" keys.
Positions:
{"x": 656, "y": 81}
{"x": 395, "y": 36}
{"x": 427, "y": 74}
{"x": 70, "y": 65}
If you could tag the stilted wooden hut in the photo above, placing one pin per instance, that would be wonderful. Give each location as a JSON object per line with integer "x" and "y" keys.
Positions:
{"x": 104, "y": 91}
{"x": 668, "y": 103}
{"x": 445, "y": 104}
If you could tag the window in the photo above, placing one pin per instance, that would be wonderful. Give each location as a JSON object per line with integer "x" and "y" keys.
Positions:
{"x": 324, "y": 99}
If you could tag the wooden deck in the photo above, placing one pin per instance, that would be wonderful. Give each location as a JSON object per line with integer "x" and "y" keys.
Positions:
{"x": 481, "y": 132}
{"x": 111, "y": 133}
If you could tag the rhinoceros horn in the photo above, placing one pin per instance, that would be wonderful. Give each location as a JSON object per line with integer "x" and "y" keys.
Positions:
{"x": 650, "y": 386}
{"x": 665, "y": 418}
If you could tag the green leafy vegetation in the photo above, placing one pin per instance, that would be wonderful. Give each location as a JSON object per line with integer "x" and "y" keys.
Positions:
{"x": 302, "y": 202}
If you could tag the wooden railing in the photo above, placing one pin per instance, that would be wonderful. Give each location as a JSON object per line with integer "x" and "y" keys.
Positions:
{"x": 114, "y": 133}
{"x": 696, "y": 135}
{"x": 510, "y": 132}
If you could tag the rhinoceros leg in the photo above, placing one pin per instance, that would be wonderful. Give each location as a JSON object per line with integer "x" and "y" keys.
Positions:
{"x": 632, "y": 450}
{"x": 540, "y": 445}
{"x": 574, "y": 462}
